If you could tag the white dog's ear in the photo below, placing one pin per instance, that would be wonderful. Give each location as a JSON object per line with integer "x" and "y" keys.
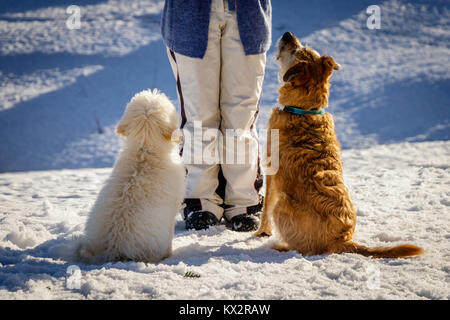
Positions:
{"x": 177, "y": 136}
{"x": 121, "y": 129}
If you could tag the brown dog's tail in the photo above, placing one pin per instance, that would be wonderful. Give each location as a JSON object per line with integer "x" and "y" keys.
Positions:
{"x": 401, "y": 251}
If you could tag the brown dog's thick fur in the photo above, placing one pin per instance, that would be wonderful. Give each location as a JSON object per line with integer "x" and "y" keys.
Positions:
{"x": 307, "y": 199}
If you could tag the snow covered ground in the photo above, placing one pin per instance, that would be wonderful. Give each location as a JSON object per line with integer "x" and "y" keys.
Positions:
{"x": 62, "y": 92}
{"x": 401, "y": 192}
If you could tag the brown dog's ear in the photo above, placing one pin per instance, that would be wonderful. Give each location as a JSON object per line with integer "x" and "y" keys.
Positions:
{"x": 329, "y": 64}
{"x": 298, "y": 74}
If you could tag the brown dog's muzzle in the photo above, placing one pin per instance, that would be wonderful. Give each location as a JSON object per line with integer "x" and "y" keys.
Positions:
{"x": 287, "y": 37}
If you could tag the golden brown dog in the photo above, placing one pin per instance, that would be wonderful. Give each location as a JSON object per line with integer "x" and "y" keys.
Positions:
{"x": 306, "y": 199}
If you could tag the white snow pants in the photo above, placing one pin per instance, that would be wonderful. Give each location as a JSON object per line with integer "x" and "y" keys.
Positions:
{"x": 221, "y": 93}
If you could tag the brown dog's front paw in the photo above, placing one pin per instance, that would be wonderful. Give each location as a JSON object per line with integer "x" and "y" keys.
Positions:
{"x": 281, "y": 246}
{"x": 263, "y": 233}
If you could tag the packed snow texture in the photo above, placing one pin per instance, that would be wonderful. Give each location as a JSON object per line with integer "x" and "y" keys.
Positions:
{"x": 401, "y": 192}
{"x": 62, "y": 92}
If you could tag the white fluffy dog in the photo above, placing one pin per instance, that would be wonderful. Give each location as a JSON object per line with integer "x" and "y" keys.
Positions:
{"x": 134, "y": 215}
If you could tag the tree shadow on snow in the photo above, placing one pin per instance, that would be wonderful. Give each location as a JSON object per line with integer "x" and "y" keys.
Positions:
{"x": 34, "y": 132}
{"x": 199, "y": 254}
{"x": 51, "y": 259}
{"x": 14, "y": 6}
{"x": 406, "y": 111}
{"x": 37, "y": 263}
{"x": 312, "y": 15}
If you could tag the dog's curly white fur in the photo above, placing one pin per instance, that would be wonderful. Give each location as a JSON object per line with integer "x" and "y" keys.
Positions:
{"x": 134, "y": 215}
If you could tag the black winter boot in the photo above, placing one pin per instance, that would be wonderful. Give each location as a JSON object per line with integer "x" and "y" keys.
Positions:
{"x": 243, "y": 223}
{"x": 200, "y": 220}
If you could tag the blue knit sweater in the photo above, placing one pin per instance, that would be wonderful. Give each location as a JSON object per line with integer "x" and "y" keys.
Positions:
{"x": 185, "y": 25}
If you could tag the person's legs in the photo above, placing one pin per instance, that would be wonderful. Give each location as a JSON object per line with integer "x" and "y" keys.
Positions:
{"x": 241, "y": 86}
{"x": 198, "y": 84}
